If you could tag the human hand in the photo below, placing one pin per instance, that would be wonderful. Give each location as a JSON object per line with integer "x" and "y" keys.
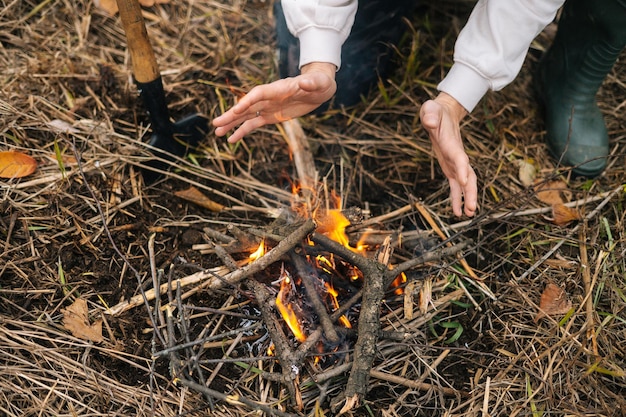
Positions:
{"x": 441, "y": 117}
{"x": 279, "y": 101}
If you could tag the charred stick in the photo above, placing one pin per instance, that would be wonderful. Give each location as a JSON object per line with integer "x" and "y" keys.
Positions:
{"x": 264, "y": 261}
{"x": 219, "y": 236}
{"x": 246, "y": 240}
{"x": 430, "y": 256}
{"x": 305, "y": 273}
{"x": 368, "y": 328}
{"x": 302, "y": 156}
{"x": 266, "y": 304}
{"x": 304, "y": 348}
{"x": 217, "y": 281}
{"x": 346, "y": 305}
{"x": 338, "y": 249}
{"x": 227, "y": 260}
{"x": 290, "y": 369}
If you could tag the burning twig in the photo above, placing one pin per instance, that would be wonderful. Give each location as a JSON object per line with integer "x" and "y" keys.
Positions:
{"x": 290, "y": 367}
{"x": 263, "y": 262}
{"x": 301, "y": 151}
{"x": 303, "y": 269}
{"x": 377, "y": 278}
{"x": 369, "y": 327}
{"x": 213, "y": 280}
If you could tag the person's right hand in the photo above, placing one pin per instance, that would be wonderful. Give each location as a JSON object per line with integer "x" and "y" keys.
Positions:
{"x": 279, "y": 101}
{"x": 442, "y": 117}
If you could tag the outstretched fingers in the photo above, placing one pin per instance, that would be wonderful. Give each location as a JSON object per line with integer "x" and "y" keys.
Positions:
{"x": 441, "y": 118}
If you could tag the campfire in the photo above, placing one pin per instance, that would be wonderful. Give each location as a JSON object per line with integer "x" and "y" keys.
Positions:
{"x": 316, "y": 291}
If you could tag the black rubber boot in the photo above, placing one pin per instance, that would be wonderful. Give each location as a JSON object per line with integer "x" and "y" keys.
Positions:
{"x": 591, "y": 35}
{"x": 366, "y": 54}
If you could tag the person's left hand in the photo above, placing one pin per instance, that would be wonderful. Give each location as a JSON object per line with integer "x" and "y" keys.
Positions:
{"x": 441, "y": 117}
{"x": 279, "y": 101}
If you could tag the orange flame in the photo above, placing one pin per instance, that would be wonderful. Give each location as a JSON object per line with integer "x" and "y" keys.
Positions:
{"x": 333, "y": 224}
{"x": 286, "y": 311}
{"x": 260, "y": 251}
{"x": 397, "y": 284}
{"x": 325, "y": 264}
{"x": 333, "y": 297}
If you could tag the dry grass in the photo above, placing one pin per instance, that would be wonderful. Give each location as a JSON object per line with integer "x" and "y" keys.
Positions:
{"x": 93, "y": 230}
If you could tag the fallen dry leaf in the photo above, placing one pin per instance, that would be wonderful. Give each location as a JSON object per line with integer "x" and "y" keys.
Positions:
{"x": 527, "y": 172}
{"x": 76, "y": 320}
{"x": 61, "y": 126}
{"x": 562, "y": 215}
{"x": 554, "y": 301}
{"x": 16, "y": 164}
{"x": 552, "y": 192}
{"x": 110, "y": 6}
{"x": 195, "y": 196}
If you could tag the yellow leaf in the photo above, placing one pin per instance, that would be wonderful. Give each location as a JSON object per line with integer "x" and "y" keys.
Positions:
{"x": 76, "y": 320}
{"x": 16, "y": 164}
{"x": 195, "y": 196}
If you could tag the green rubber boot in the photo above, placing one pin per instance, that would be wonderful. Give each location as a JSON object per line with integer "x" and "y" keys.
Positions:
{"x": 590, "y": 37}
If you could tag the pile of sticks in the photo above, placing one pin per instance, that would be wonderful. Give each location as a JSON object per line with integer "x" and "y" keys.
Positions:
{"x": 378, "y": 274}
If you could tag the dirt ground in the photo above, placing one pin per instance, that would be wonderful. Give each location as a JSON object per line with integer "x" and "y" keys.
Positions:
{"x": 85, "y": 226}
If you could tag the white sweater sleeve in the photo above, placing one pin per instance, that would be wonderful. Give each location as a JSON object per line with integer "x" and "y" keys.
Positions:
{"x": 491, "y": 48}
{"x": 322, "y": 26}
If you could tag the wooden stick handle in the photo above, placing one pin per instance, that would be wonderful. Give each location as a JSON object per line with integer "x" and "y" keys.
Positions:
{"x": 145, "y": 67}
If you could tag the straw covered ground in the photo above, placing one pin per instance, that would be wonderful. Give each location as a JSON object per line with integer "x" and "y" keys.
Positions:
{"x": 530, "y": 321}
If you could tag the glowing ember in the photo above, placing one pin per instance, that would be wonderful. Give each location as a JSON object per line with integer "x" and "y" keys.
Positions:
{"x": 260, "y": 251}
{"x": 325, "y": 264}
{"x": 286, "y": 310}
